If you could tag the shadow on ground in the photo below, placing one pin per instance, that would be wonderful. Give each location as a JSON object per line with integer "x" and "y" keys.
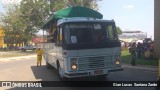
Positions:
{"x": 44, "y": 74}
{"x": 41, "y": 72}
{"x": 50, "y": 75}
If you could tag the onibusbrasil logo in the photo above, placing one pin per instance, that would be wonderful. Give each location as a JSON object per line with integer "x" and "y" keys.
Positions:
{"x": 20, "y": 84}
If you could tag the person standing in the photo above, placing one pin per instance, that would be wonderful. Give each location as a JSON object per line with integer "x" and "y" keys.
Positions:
{"x": 133, "y": 56}
{"x": 133, "y": 53}
{"x": 39, "y": 53}
{"x": 99, "y": 36}
{"x": 151, "y": 50}
{"x": 139, "y": 50}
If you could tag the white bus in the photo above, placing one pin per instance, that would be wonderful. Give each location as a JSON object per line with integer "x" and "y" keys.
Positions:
{"x": 84, "y": 47}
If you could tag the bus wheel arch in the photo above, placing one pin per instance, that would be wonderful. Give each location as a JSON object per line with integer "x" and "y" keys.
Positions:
{"x": 57, "y": 64}
{"x": 48, "y": 65}
{"x": 61, "y": 77}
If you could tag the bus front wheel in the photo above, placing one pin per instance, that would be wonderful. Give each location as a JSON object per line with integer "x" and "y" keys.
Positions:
{"x": 48, "y": 65}
{"x": 102, "y": 77}
{"x": 61, "y": 77}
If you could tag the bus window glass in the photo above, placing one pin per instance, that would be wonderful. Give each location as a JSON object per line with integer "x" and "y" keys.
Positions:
{"x": 110, "y": 32}
{"x": 98, "y": 33}
{"x": 89, "y": 33}
{"x": 67, "y": 34}
{"x": 73, "y": 39}
{"x": 79, "y": 33}
{"x": 60, "y": 36}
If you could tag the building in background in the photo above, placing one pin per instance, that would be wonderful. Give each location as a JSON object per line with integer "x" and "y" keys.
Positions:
{"x": 40, "y": 37}
{"x": 129, "y": 36}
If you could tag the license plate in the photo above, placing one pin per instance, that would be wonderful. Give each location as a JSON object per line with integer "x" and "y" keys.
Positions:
{"x": 98, "y": 72}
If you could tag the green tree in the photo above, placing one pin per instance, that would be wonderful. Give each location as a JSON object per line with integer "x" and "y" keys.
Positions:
{"x": 60, "y": 4}
{"x": 22, "y": 20}
{"x": 86, "y": 3}
{"x": 119, "y": 31}
{"x": 55, "y": 5}
{"x": 34, "y": 13}
{"x": 12, "y": 25}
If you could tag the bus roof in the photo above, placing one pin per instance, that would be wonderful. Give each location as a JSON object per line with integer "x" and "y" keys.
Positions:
{"x": 81, "y": 19}
{"x": 75, "y": 11}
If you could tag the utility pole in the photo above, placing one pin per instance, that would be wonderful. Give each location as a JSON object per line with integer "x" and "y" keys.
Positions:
{"x": 157, "y": 27}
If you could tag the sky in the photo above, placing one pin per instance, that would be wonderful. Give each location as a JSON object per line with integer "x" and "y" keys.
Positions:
{"x": 128, "y": 14}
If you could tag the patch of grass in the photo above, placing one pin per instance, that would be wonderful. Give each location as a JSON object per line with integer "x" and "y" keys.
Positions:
{"x": 14, "y": 55}
{"x": 126, "y": 58}
{"x": 8, "y": 54}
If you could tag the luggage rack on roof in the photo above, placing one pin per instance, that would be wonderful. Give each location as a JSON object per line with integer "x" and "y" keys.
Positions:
{"x": 76, "y": 19}
{"x": 82, "y": 19}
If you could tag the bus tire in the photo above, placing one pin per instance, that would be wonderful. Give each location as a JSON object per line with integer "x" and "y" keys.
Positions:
{"x": 102, "y": 77}
{"x": 48, "y": 65}
{"x": 61, "y": 77}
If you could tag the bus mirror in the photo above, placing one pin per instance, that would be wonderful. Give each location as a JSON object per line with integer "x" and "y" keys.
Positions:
{"x": 73, "y": 39}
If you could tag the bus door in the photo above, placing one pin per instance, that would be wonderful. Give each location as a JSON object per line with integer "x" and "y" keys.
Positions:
{"x": 59, "y": 50}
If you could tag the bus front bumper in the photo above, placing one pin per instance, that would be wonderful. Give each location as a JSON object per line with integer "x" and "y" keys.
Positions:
{"x": 92, "y": 72}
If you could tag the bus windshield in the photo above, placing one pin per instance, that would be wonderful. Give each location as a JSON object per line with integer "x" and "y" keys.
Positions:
{"x": 82, "y": 33}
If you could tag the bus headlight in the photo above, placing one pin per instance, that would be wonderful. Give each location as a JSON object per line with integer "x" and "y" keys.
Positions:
{"x": 74, "y": 67}
{"x": 117, "y": 60}
{"x": 73, "y": 63}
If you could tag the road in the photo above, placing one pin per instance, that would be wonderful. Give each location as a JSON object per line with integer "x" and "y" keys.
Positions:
{"x": 26, "y": 70}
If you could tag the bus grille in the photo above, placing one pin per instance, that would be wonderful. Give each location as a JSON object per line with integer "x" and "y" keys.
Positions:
{"x": 94, "y": 63}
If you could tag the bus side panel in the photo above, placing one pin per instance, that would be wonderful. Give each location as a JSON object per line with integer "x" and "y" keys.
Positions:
{"x": 60, "y": 57}
{"x": 52, "y": 57}
{"x": 50, "y": 51}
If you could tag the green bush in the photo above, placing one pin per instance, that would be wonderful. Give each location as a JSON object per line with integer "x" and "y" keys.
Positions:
{"x": 126, "y": 59}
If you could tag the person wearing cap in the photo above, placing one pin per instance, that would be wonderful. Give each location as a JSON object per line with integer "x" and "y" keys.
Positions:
{"x": 39, "y": 53}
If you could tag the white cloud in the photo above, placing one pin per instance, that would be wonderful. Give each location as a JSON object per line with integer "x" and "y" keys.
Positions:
{"x": 128, "y": 6}
{"x": 117, "y": 18}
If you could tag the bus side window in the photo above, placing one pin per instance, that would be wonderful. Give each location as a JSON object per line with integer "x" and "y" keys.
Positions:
{"x": 55, "y": 35}
{"x": 59, "y": 37}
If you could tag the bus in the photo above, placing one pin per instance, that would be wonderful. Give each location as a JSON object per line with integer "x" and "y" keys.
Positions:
{"x": 83, "y": 46}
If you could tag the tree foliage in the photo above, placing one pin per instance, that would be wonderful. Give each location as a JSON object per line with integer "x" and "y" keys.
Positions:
{"x": 119, "y": 31}
{"x": 59, "y": 4}
{"x": 34, "y": 11}
{"x": 86, "y": 3}
{"x": 21, "y": 21}
{"x": 12, "y": 25}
